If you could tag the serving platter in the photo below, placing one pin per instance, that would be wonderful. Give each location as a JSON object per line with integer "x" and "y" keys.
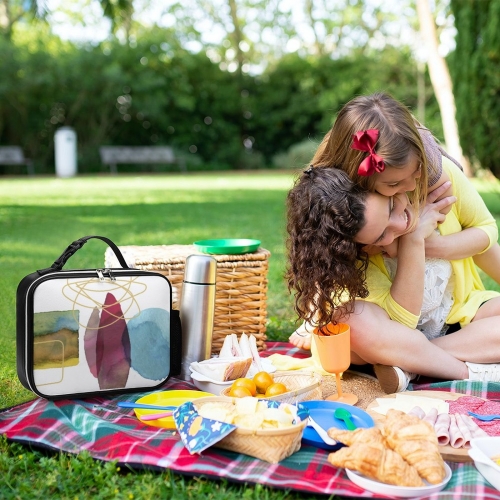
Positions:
{"x": 447, "y": 452}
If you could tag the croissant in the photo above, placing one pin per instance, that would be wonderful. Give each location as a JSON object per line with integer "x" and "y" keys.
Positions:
{"x": 416, "y": 441}
{"x": 371, "y": 435}
{"x": 376, "y": 462}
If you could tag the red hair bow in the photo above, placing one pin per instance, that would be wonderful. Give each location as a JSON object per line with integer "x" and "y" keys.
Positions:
{"x": 365, "y": 140}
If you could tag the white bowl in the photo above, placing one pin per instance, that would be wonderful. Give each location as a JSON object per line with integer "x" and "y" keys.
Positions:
{"x": 481, "y": 451}
{"x": 205, "y": 384}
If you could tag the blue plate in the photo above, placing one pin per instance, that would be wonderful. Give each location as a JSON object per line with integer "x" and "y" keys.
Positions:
{"x": 322, "y": 412}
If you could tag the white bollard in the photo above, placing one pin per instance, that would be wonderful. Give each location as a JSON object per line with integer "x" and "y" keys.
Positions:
{"x": 65, "y": 152}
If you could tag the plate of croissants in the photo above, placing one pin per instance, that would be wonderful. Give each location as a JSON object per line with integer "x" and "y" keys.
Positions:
{"x": 400, "y": 457}
{"x": 398, "y": 491}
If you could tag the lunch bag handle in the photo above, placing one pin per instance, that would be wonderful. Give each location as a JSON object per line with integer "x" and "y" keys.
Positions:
{"x": 76, "y": 245}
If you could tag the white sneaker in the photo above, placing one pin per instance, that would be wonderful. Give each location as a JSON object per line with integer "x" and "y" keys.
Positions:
{"x": 486, "y": 372}
{"x": 392, "y": 378}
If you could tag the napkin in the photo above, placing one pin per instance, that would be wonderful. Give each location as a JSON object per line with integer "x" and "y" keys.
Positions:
{"x": 283, "y": 362}
{"x": 196, "y": 432}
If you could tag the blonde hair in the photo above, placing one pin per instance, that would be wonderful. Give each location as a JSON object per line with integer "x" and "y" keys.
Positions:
{"x": 398, "y": 140}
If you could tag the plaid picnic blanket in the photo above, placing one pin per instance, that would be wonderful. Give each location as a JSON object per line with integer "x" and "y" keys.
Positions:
{"x": 111, "y": 433}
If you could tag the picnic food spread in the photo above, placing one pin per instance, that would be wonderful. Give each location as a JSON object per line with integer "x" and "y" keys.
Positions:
{"x": 413, "y": 436}
{"x": 127, "y": 439}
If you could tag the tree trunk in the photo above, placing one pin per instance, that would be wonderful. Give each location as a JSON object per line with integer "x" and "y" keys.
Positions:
{"x": 238, "y": 38}
{"x": 441, "y": 83}
{"x": 5, "y": 22}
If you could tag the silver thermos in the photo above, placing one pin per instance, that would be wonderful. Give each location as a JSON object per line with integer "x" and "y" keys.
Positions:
{"x": 197, "y": 310}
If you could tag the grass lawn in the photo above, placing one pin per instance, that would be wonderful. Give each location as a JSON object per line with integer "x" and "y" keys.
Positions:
{"x": 39, "y": 217}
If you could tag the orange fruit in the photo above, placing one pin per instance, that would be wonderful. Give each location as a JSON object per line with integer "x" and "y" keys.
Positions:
{"x": 239, "y": 392}
{"x": 275, "y": 389}
{"x": 247, "y": 383}
{"x": 262, "y": 381}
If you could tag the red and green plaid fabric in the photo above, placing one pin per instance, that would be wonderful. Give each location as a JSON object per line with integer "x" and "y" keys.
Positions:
{"x": 111, "y": 433}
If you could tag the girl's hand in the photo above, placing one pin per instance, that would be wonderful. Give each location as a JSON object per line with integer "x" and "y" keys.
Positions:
{"x": 437, "y": 192}
{"x": 432, "y": 213}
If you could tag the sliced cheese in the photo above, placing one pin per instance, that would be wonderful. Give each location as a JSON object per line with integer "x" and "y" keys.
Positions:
{"x": 406, "y": 402}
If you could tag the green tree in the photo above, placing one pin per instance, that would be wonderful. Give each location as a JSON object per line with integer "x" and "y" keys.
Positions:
{"x": 14, "y": 11}
{"x": 474, "y": 67}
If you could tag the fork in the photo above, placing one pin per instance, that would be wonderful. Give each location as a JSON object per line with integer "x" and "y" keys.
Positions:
{"x": 321, "y": 432}
{"x": 485, "y": 418}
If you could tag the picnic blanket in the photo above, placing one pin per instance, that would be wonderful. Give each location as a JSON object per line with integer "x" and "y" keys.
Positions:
{"x": 111, "y": 433}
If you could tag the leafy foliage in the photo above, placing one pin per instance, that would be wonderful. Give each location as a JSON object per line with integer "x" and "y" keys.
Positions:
{"x": 153, "y": 91}
{"x": 474, "y": 68}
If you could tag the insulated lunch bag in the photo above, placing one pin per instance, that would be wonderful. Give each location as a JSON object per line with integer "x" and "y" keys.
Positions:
{"x": 84, "y": 332}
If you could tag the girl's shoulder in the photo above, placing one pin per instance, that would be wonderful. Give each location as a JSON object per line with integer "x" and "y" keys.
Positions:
{"x": 435, "y": 155}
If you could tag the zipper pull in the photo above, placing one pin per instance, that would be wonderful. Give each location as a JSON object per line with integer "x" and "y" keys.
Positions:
{"x": 100, "y": 274}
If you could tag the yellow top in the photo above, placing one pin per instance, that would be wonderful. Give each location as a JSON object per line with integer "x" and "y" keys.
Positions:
{"x": 469, "y": 293}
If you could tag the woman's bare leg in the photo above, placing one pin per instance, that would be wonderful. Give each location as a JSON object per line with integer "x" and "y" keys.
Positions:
{"x": 489, "y": 262}
{"x": 378, "y": 340}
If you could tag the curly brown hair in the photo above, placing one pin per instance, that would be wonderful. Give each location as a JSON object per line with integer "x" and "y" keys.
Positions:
{"x": 326, "y": 268}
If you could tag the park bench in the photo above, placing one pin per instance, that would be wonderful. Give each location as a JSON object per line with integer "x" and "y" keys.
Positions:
{"x": 13, "y": 155}
{"x": 114, "y": 155}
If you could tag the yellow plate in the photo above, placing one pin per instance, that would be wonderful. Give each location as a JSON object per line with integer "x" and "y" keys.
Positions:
{"x": 166, "y": 398}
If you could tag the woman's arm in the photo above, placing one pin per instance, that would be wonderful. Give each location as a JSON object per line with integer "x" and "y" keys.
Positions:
{"x": 402, "y": 297}
{"x": 411, "y": 256}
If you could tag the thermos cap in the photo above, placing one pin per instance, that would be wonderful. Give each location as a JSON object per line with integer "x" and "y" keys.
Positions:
{"x": 200, "y": 269}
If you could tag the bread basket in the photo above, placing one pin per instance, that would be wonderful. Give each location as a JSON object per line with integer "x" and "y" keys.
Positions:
{"x": 270, "y": 445}
{"x": 302, "y": 386}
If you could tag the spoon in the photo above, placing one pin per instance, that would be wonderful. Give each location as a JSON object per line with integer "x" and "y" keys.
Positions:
{"x": 128, "y": 404}
{"x": 321, "y": 432}
{"x": 345, "y": 415}
{"x": 156, "y": 416}
{"x": 485, "y": 418}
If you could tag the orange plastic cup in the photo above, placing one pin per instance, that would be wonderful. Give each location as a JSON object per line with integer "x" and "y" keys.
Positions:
{"x": 333, "y": 343}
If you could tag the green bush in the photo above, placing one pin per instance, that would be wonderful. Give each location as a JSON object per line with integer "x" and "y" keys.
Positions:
{"x": 154, "y": 92}
{"x": 297, "y": 156}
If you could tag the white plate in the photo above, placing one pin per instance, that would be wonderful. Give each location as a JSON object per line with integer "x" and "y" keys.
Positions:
{"x": 398, "y": 491}
{"x": 482, "y": 449}
{"x": 207, "y": 385}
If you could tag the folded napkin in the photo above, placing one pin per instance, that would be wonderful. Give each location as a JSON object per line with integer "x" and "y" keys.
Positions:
{"x": 283, "y": 362}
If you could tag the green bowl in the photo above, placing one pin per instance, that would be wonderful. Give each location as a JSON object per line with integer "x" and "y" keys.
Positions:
{"x": 227, "y": 246}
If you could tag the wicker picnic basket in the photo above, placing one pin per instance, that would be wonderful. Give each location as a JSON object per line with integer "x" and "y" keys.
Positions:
{"x": 302, "y": 386}
{"x": 240, "y": 292}
{"x": 271, "y": 445}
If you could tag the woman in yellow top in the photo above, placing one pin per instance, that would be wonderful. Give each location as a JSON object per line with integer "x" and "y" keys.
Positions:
{"x": 331, "y": 220}
{"x": 411, "y": 162}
